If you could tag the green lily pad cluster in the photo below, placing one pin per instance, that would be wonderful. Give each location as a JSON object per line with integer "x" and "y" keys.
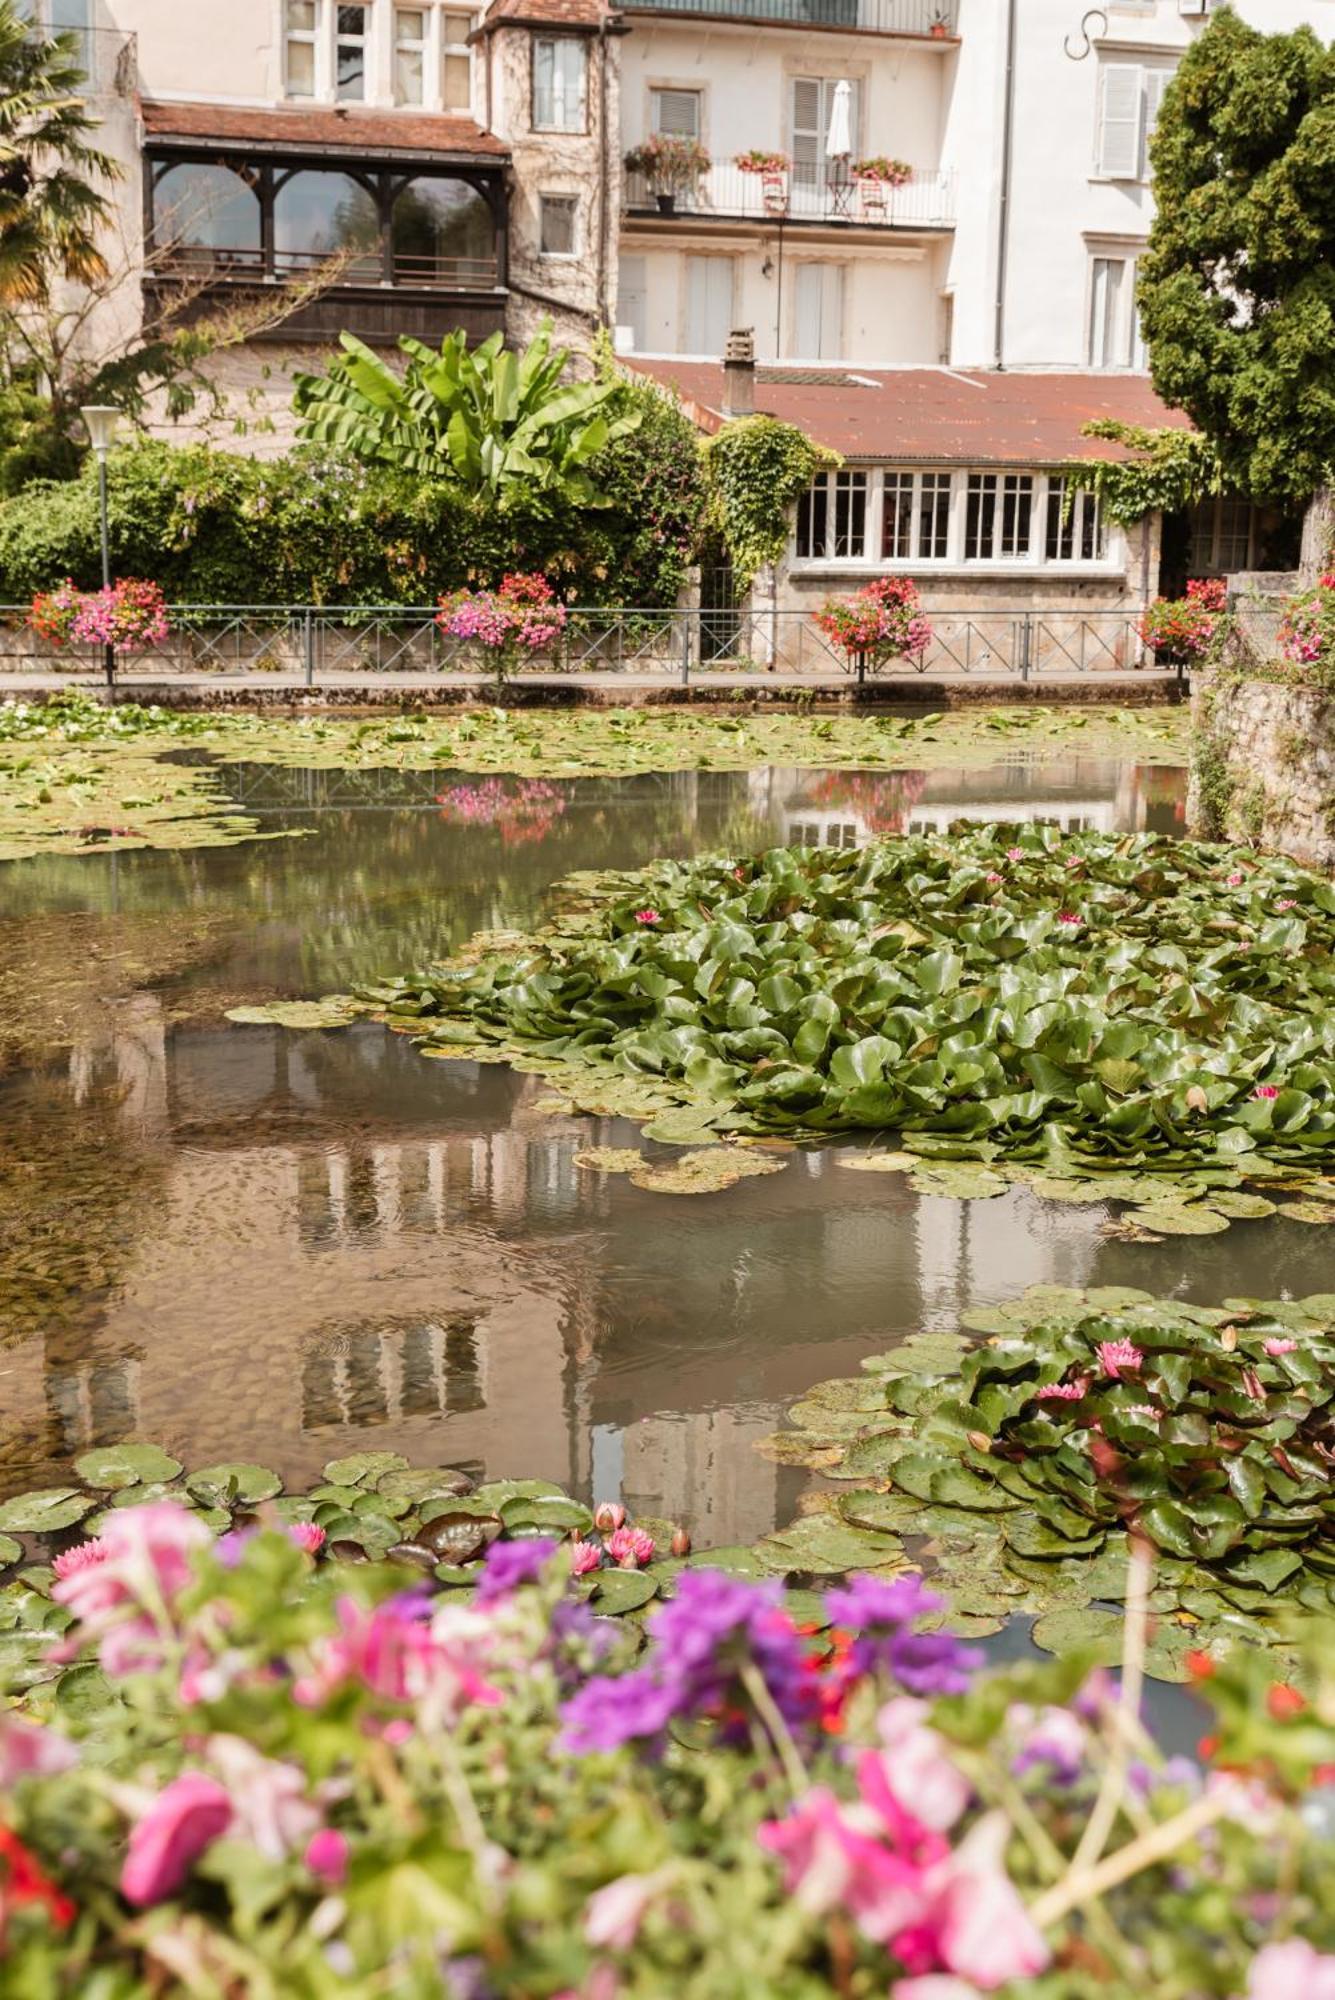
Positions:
{"x": 1029, "y": 1459}
{"x": 1150, "y": 1016}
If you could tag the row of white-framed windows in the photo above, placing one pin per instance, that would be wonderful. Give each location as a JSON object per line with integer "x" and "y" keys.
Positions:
{"x": 332, "y": 51}
{"x": 861, "y": 514}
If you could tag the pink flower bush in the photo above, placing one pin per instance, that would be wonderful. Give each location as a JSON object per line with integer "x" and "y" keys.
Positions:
{"x": 187, "y": 1816}
{"x": 1307, "y": 631}
{"x": 1183, "y": 627}
{"x": 1293, "y": 1970}
{"x": 521, "y": 617}
{"x": 883, "y": 621}
{"x": 327, "y": 1856}
{"x": 127, "y": 615}
{"x": 122, "y": 1597}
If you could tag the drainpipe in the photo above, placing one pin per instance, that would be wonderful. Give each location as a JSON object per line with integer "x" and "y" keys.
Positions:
{"x": 605, "y": 178}
{"x": 1004, "y": 213}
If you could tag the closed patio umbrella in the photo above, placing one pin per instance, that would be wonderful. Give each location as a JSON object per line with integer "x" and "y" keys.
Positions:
{"x": 839, "y": 138}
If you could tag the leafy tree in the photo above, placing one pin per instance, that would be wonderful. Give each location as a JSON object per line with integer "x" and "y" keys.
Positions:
{"x": 53, "y": 180}
{"x": 1237, "y": 289}
{"x": 487, "y": 420}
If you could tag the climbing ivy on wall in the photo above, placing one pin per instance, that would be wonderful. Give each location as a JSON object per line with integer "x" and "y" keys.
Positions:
{"x": 757, "y": 469}
{"x": 1166, "y": 470}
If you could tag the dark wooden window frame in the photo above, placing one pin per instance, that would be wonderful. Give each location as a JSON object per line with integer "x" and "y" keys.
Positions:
{"x": 267, "y": 170}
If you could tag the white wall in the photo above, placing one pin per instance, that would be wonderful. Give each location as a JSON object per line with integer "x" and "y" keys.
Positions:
{"x": 1062, "y": 212}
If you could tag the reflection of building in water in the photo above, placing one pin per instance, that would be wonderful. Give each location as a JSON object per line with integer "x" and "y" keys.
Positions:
{"x": 377, "y": 1373}
{"x": 847, "y": 809}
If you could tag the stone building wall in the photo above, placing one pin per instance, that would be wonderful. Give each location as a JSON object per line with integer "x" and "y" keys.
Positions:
{"x": 1263, "y": 767}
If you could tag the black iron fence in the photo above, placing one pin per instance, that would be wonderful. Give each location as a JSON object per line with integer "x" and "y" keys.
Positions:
{"x": 333, "y": 644}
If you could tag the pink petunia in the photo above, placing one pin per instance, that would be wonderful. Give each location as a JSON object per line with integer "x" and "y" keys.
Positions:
{"x": 914, "y": 1768}
{"x": 614, "y": 1913}
{"x": 327, "y": 1856}
{"x": 187, "y": 1816}
{"x": 270, "y": 1808}
{"x": 1118, "y": 1356}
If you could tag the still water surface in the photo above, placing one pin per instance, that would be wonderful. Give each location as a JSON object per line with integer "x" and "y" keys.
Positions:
{"x": 248, "y": 1243}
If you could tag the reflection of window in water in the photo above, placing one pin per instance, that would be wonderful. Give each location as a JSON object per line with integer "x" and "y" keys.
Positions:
{"x": 829, "y": 833}
{"x": 96, "y": 1404}
{"x": 377, "y": 1373}
{"x": 551, "y": 1174}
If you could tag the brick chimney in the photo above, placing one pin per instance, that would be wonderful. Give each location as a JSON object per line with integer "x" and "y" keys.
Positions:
{"x": 739, "y": 373}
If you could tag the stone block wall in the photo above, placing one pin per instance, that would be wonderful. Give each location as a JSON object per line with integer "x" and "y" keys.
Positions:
{"x": 1263, "y": 765}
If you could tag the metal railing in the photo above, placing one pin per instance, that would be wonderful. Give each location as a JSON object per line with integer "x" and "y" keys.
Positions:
{"x": 930, "y": 18}
{"x": 804, "y": 194}
{"x": 455, "y": 274}
{"x": 333, "y": 644}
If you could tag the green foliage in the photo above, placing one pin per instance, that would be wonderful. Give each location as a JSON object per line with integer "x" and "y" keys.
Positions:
{"x": 34, "y": 443}
{"x": 758, "y": 469}
{"x": 52, "y": 207}
{"x": 1237, "y": 288}
{"x": 1136, "y": 1008}
{"x": 1087, "y": 1415}
{"x": 215, "y": 527}
{"x": 485, "y": 419}
{"x": 1167, "y": 470}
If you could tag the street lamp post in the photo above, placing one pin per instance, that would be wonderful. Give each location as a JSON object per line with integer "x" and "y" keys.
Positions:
{"x": 100, "y": 420}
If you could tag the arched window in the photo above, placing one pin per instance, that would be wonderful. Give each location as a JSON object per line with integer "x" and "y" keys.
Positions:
{"x": 206, "y": 215}
{"x": 317, "y": 215}
{"x": 443, "y": 234}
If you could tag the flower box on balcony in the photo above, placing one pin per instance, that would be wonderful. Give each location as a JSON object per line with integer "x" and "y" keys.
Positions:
{"x": 773, "y": 170}
{"x": 670, "y": 166}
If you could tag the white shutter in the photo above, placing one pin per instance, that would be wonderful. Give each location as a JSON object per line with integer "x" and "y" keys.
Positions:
{"x": 709, "y": 288}
{"x": 818, "y": 312}
{"x": 677, "y": 113}
{"x": 1121, "y": 104}
{"x": 808, "y": 135}
{"x": 632, "y": 298}
{"x": 1156, "y": 83}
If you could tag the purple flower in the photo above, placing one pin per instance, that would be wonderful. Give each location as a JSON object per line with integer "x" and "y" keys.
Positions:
{"x": 702, "y": 1638}
{"x": 510, "y": 1564}
{"x": 881, "y": 1616}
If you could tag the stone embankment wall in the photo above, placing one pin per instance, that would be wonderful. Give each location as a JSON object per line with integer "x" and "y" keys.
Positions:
{"x": 1263, "y": 766}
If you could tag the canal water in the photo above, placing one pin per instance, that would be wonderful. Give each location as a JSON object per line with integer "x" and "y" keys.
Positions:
{"x": 243, "y": 1242}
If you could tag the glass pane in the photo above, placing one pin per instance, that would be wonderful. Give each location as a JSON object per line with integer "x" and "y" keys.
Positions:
{"x": 409, "y": 24}
{"x": 812, "y": 514}
{"x": 301, "y": 16}
{"x": 1057, "y": 543}
{"x": 408, "y": 76}
{"x": 558, "y": 225}
{"x": 980, "y": 516}
{"x": 208, "y": 214}
{"x": 443, "y": 235}
{"x": 301, "y": 69}
{"x": 850, "y": 514}
{"x": 318, "y": 214}
{"x": 934, "y": 516}
{"x": 352, "y": 20}
{"x": 897, "y": 520}
{"x": 455, "y": 29}
{"x": 351, "y": 70}
{"x": 458, "y": 82}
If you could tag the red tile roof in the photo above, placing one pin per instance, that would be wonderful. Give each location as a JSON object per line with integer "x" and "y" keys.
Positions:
{"x": 547, "y": 13}
{"x": 941, "y": 415}
{"x": 320, "y": 126}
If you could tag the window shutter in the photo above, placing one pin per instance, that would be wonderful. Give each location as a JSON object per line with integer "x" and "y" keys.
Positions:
{"x": 808, "y": 138}
{"x": 1121, "y": 100}
{"x": 1156, "y": 83}
{"x": 677, "y": 113}
{"x": 632, "y": 297}
{"x": 709, "y": 284}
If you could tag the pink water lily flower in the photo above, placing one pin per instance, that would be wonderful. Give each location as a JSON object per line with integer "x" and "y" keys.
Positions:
{"x": 630, "y": 1548}
{"x": 1286, "y": 903}
{"x": 1276, "y": 1347}
{"x": 1117, "y": 1356}
{"x": 1063, "y": 1392}
{"x": 1266, "y": 1092}
{"x": 584, "y": 1556}
{"x": 1235, "y": 879}
{"x": 187, "y": 1816}
{"x": 1069, "y": 917}
{"x": 648, "y": 917}
{"x": 993, "y": 877}
{"x": 1015, "y": 854}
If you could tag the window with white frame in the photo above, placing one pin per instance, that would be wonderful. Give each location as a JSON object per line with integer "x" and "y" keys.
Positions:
{"x": 915, "y": 516}
{"x": 1075, "y": 531}
{"x": 350, "y": 52}
{"x": 677, "y": 114}
{"x": 1130, "y": 95}
{"x": 811, "y": 103}
{"x": 456, "y": 61}
{"x": 1114, "y": 338}
{"x": 938, "y": 517}
{"x": 558, "y": 216}
{"x": 301, "y": 24}
{"x": 999, "y": 515}
{"x": 560, "y": 64}
{"x": 412, "y": 41}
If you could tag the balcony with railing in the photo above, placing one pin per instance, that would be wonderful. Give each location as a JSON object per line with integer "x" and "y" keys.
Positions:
{"x": 826, "y": 195}
{"x": 926, "y": 20}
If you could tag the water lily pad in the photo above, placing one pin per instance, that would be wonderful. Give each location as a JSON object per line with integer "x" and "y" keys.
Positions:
{"x": 1306, "y": 1211}
{"x": 335, "y": 1010}
{"x": 84, "y": 1691}
{"x": 10, "y": 1550}
{"x": 364, "y": 1468}
{"x": 732, "y": 1559}
{"x": 233, "y": 1485}
{"x": 554, "y": 1514}
{"x": 797, "y": 1448}
{"x": 609, "y": 1159}
{"x": 44, "y": 1511}
{"x": 1184, "y": 1221}
{"x": 1072, "y": 1630}
{"x": 618, "y": 1591}
{"x": 825, "y": 1546}
{"x": 704, "y": 1172}
{"x": 126, "y": 1465}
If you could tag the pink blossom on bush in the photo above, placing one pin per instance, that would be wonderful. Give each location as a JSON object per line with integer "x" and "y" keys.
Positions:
{"x": 394, "y": 1651}
{"x": 269, "y": 1803}
{"x": 27, "y": 1750}
{"x": 614, "y": 1913}
{"x": 187, "y": 1816}
{"x": 882, "y": 622}
{"x": 127, "y": 615}
{"x": 914, "y": 1768}
{"x": 122, "y": 1599}
{"x": 327, "y": 1856}
{"x": 1294, "y": 1970}
{"x": 1182, "y": 628}
{"x": 522, "y": 616}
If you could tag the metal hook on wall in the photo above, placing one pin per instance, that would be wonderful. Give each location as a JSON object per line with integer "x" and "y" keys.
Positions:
{"x": 1094, "y": 14}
